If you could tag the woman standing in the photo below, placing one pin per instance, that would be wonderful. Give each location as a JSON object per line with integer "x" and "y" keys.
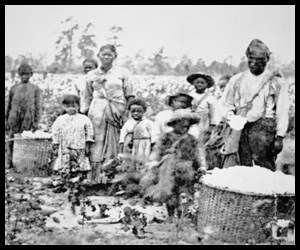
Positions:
{"x": 108, "y": 90}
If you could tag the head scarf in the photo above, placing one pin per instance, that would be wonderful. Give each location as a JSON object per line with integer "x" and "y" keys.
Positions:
{"x": 258, "y": 48}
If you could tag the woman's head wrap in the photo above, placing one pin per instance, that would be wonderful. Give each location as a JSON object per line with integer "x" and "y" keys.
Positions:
{"x": 258, "y": 48}
{"x": 111, "y": 47}
{"x": 210, "y": 81}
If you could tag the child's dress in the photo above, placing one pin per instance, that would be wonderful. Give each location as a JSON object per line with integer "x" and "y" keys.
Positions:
{"x": 140, "y": 133}
{"x": 72, "y": 132}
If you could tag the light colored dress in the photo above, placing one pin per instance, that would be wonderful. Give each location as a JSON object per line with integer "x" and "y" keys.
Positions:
{"x": 142, "y": 134}
{"x": 105, "y": 102}
{"x": 72, "y": 132}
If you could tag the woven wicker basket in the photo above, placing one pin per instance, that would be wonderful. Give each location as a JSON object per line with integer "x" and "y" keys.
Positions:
{"x": 233, "y": 217}
{"x": 31, "y": 155}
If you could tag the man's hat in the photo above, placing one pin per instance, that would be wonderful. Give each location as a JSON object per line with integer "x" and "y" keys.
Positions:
{"x": 181, "y": 114}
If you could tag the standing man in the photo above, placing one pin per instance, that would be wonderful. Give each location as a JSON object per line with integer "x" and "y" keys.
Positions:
{"x": 260, "y": 95}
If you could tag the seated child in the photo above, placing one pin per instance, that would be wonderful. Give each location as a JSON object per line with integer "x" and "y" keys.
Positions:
{"x": 176, "y": 160}
{"x": 72, "y": 134}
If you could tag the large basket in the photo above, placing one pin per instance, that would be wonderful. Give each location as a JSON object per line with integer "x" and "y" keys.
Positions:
{"x": 237, "y": 217}
{"x": 31, "y": 155}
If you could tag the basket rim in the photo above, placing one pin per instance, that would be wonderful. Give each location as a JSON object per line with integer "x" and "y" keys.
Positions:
{"x": 246, "y": 193}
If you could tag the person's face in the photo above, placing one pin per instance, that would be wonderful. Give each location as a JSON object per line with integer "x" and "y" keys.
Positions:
{"x": 181, "y": 127}
{"x": 179, "y": 102}
{"x": 257, "y": 64}
{"x": 137, "y": 112}
{"x": 88, "y": 66}
{"x": 106, "y": 56}
{"x": 200, "y": 84}
{"x": 25, "y": 76}
{"x": 71, "y": 108}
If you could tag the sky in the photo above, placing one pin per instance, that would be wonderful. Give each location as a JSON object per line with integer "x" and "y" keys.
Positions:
{"x": 210, "y": 32}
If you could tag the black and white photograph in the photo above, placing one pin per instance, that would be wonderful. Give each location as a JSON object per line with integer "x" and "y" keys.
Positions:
{"x": 149, "y": 124}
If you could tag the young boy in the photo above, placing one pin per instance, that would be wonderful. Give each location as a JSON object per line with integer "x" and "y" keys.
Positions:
{"x": 23, "y": 108}
{"x": 176, "y": 158}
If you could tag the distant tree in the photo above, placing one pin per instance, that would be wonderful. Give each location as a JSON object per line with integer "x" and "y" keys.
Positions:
{"x": 243, "y": 65}
{"x": 199, "y": 66}
{"x": 184, "y": 67}
{"x": 114, "y": 37}
{"x": 9, "y": 63}
{"x": 87, "y": 42}
{"x": 65, "y": 43}
{"x": 157, "y": 64}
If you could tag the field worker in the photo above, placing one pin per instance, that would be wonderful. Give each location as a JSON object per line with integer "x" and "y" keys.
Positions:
{"x": 260, "y": 95}
{"x": 107, "y": 93}
{"x": 214, "y": 144}
{"x": 23, "y": 109}
{"x": 204, "y": 105}
{"x": 78, "y": 86}
{"x": 176, "y": 101}
{"x": 175, "y": 161}
{"x": 72, "y": 136}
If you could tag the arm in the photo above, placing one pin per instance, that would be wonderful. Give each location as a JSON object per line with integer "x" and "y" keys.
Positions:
{"x": 37, "y": 106}
{"x": 88, "y": 97}
{"x": 282, "y": 109}
{"x": 128, "y": 86}
{"x": 213, "y": 112}
{"x": 8, "y": 107}
{"x": 55, "y": 137}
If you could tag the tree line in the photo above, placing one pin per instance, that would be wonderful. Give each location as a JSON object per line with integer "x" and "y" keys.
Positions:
{"x": 77, "y": 42}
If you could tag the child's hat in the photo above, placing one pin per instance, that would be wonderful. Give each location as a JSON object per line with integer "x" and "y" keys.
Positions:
{"x": 180, "y": 114}
{"x": 210, "y": 81}
{"x": 188, "y": 98}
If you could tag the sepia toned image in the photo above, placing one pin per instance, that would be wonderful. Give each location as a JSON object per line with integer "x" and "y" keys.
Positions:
{"x": 149, "y": 124}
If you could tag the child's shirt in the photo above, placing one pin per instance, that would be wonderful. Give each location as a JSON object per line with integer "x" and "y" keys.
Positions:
{"x": 142, "y": 129}
{"x": 72, "y": 131}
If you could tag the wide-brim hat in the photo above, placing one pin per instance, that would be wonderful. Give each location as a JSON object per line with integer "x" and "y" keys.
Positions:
{"x": 189, "y": 98}
{"x": 180, "y": 114}
{"x": 210, "y": 81}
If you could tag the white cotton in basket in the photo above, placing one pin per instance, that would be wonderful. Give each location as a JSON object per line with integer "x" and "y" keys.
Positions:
{"x": 251, "y": 180}
{"x": 36, "y": 134}
{"x": 237, "y": 122}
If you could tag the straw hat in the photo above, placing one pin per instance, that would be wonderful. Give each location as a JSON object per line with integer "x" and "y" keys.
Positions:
{"x": 210, "y": 81}
{"x": 180, "y": 114}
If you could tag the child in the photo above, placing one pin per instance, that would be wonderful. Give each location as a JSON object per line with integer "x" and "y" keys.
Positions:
{"x": 176, "y": 101}
{"x": 23, "y": 108}
{"x": 72, "y": 134}
{"x": 176, "y": 159}
{"x": 137, "y": 133}
{"x": 136, "y": 140}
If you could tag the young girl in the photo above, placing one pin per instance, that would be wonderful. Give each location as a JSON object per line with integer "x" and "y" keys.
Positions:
{"x": 176, "y": 159}
{"x": 23, "y": 107}
{"x": 204, "y": 106}
{"x": 72, "y": 135}
{"x": 137, "y": 133}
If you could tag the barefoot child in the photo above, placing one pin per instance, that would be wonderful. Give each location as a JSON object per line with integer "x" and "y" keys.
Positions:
{"x": 136, "y": 140}
{"x": 176, "y": 159}
{"x": 72, "y": 135}
{"x": 23, "y": 108}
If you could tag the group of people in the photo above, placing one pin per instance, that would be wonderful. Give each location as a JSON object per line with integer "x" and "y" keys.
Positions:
{"x": 103, "y": 121}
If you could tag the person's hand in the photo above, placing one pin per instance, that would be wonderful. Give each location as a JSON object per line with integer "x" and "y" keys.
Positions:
{"x": 87, "y": 148}
{"x": 55, "y": 149}
{"x": 6, "y": 125}
{"x": 278, "y": 145}
{"x": 152, "y": 164}
{"x": 201, "y": 171}
{"x": 34, "y": 127}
